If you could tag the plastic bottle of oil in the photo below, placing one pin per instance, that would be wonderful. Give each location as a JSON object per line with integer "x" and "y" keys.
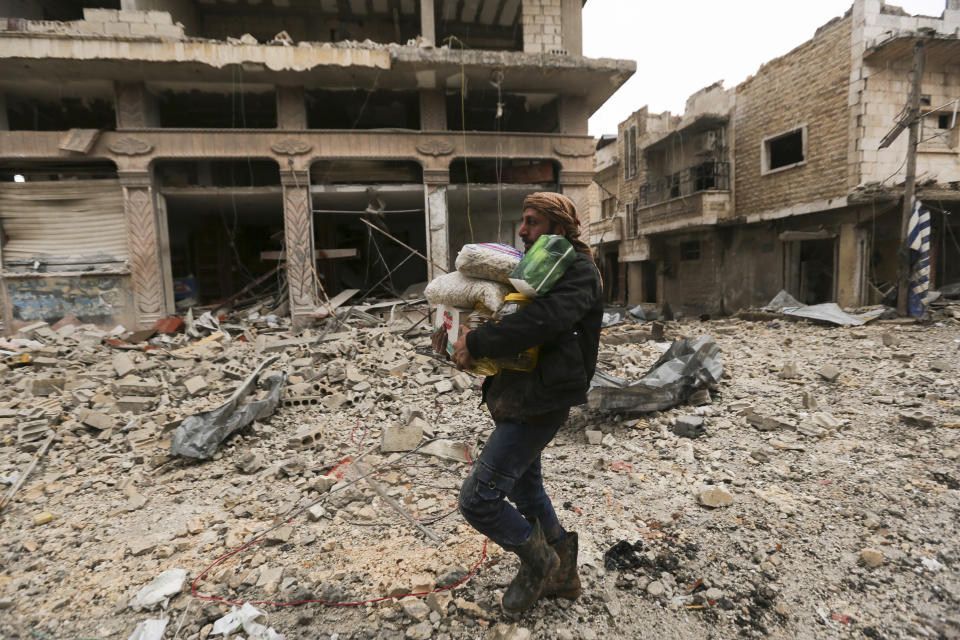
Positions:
{"x": 525, "y": 360}
{"x": 482, "y": 366}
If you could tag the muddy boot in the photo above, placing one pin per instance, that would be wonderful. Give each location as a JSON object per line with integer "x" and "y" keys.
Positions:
{"x": 565, "y": 582}
{"x": 537, "y": 561}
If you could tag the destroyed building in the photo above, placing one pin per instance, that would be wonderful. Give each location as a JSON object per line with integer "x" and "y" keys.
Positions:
{"x": 158, "y": 150}
{"x": 778, "y": 183}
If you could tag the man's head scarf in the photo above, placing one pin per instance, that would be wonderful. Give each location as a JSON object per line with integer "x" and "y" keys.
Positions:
{"x": 560, "y": 209}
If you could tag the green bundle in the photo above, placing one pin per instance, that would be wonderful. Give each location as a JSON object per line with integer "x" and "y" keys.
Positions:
{"x": 544, "y": 264}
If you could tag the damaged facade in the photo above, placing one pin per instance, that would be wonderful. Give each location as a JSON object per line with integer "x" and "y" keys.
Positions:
{"x": 778, "y": 183}
{"x": 158, "y": 149}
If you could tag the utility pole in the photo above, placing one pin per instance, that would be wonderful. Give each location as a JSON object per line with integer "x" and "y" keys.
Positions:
{"x": 909, "y": 184}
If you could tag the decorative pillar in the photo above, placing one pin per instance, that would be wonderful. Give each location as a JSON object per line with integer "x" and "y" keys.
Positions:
{"x": 291, "y": 108}
{"x": 135, "y": 106}
{"x": 298, "y": 245}
{"x": 143, "y": 239}
{"x": 435, "y": 186}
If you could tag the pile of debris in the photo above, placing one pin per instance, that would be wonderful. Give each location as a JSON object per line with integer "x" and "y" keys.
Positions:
{"x": 808, "y": 489}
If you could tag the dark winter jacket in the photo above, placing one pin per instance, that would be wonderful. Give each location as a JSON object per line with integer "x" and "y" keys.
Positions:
{"x": 566, "y": 324}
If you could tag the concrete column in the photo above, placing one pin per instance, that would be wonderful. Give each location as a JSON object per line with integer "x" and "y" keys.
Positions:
{"x": 143, "y": 238}
{"x": 135, "y": 106}
{"x": 573, "y": 115}
{"x": 291, "y": 108}
{"x": 572, "y": 27}
{"x": 428, "y": 29}
{"x": 433, "y": 110}
{"x": 438, "y": 232}
{"x": 298, "y": 245}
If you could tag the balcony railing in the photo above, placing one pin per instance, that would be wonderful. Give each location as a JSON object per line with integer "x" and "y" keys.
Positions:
{"x": 706, "y": 176}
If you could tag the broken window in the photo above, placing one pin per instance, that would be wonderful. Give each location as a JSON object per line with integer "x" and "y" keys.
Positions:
{"x": 785, "y": 150}
{"x": 633, "y": 218}
{"x": 483, "y": 110}
{"x": 608, "y": 207}
{"x": 690, "y": 250}
{"x": 252, "y": 108}
{"x": 365, "y": 171}
{"x": 476, "y": 25}
{"x": 361, "y": 109}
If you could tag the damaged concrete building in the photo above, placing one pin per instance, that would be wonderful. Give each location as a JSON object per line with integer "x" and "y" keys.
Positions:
{"x": 157, "y": 149}
{"x": 778, "y": 183}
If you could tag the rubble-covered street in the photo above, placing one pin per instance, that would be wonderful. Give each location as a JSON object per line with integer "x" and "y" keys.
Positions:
{"x": 820, "y": 502}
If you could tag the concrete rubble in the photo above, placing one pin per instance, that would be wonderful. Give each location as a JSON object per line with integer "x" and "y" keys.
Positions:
{"x": 809, "y": 505}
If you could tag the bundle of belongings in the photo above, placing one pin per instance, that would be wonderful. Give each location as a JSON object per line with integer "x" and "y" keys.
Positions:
{"x": 494, "y": 280}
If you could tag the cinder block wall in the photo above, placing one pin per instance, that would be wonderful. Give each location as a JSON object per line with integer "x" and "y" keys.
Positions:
{"x": 693, "y": 285}
{"x": 542, "y": 26}
{"x": 806, "y": 86}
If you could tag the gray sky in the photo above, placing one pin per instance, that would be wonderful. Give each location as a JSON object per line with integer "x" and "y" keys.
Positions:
{"x": 682, "y": 46}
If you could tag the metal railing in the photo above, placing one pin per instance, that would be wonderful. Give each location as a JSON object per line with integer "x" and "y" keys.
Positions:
{"x": 706, "y": 176}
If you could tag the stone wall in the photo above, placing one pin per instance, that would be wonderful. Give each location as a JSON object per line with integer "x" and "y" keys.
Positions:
{"x": 690, "y": 286}
{"x": 808, "y": 86}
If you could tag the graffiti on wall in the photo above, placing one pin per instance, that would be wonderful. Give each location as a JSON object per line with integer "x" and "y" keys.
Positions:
{"x": 102, "y": 300}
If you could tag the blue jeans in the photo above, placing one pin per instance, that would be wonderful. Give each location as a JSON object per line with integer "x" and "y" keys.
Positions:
{"x": 509, "y": 467}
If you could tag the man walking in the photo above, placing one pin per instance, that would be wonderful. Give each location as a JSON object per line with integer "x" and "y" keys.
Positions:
{"x": 529, "y": 408}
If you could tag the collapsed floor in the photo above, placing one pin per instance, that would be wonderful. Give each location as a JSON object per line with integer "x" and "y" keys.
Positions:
{"x": 843, "y": 495}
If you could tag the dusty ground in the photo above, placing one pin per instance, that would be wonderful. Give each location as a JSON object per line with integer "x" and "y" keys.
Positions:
{"x": 810, "y": 493}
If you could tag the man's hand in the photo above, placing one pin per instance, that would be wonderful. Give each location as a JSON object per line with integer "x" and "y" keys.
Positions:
{"x": 461, "y": 355}
{"x": 440, "y": 341}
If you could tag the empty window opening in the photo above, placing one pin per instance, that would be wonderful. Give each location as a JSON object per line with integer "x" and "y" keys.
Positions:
{"x": 944, "y": 120}
{"x": 785, "y": 150}
{"x": 486, "y": 110}
{"x": 227, "y": 109}
{"x": 630, "y": 152}
{"x": 648, "y": 270}
{"x": 360, "y": 109}
{"x": 479, "y": 25}
{"x": 224, "y": 225}
{"x": 506, "y": 171}
{"x": 690, "y": 250}
{"x": 41, "y": 113}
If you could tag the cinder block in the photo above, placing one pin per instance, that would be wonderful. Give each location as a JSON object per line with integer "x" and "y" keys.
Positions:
{"x": 170, "y": 31}
{"x": 100, "y": 15}
{"x": 132, "y": 16}
{"x": 158, "y": 17}
{"x": 117, "y": 28}
{"x": 84, "y": 27}
{"x": 142, "y": 29}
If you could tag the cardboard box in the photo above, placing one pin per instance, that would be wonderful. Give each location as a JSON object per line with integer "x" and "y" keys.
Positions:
{"x": 451, "y": 318}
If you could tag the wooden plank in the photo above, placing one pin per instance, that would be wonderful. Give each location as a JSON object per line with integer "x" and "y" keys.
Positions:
{"x": 326, "y": 308}
{"x": 319, "y": 254}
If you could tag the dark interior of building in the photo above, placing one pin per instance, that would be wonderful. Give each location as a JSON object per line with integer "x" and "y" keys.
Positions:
{"x": 221, "y": 216}
{"x": 489, "y": 110}
{"x": 361, "y": 109}
{"x": 228, "y": 109}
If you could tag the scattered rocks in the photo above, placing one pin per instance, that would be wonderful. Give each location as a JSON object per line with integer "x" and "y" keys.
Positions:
{"x": 829, "y": 372}
{"x": 871, "y": 558}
